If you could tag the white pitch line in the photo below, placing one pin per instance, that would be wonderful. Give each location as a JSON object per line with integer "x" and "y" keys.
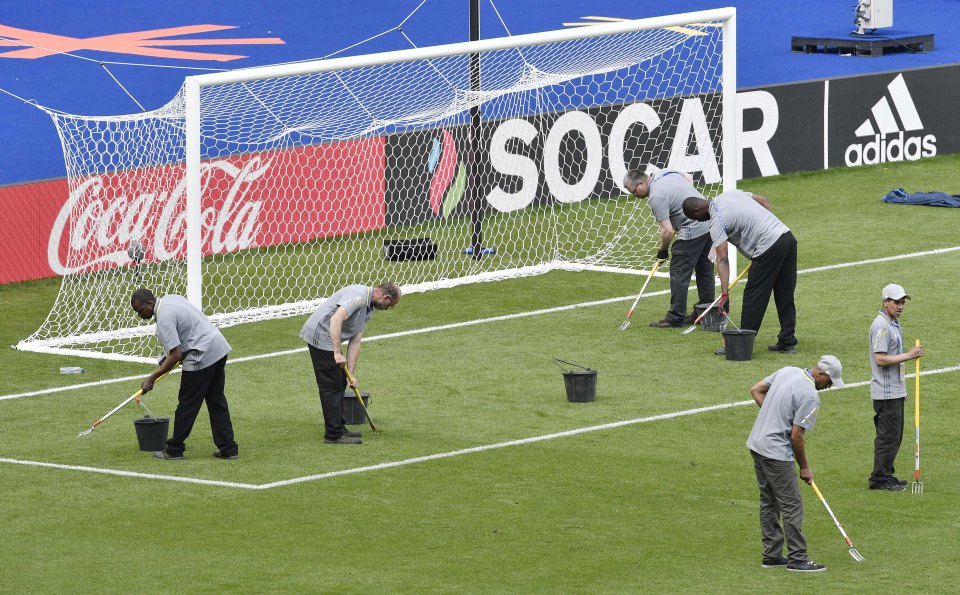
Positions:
{"x": 565, "y": 434}
{"x": 419, "y": 331}
{"x": 48, "y": 391}
{"x": 479, "y": 321}
{"x": 425, "y": 458}
{"x": 485, "y": 447}
{"x": 844, "y": 265}
{"x": 228, "y": 484}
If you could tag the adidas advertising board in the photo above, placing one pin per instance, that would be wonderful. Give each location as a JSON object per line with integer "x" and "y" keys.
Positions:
{"x": 888, "y": 126}
{"x": 848, "y": 122}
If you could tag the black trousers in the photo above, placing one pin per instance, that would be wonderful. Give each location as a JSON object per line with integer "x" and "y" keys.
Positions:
{"x": 775, "y": 270}
{"x": 196, "y": 388}
{"x": 888, "y": 420}
{"x": 686, "y": 256}
{"x": 331, "y": 381}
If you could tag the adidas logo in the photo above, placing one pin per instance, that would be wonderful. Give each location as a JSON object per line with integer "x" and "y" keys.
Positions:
{"x": 888, "y": 127}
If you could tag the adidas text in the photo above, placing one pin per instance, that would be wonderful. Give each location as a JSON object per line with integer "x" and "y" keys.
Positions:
{"x": 882, "y": 149}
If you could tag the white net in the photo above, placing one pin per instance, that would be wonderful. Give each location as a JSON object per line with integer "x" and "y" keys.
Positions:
{"x": 417, "y": 171}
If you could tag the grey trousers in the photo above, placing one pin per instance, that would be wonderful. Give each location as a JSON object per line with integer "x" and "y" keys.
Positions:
{"x": 780, "y": 498}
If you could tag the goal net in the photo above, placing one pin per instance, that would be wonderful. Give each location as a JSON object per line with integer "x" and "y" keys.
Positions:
{"x": 257, "y": 193}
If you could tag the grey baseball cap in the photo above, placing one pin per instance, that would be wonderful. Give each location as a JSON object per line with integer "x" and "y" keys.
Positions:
{"x": 832, "y": 368}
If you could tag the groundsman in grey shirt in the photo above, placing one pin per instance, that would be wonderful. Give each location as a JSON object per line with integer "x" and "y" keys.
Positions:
{"x": 342, "y": 317}
{"x": 888, "y": 389}
{"x": 187, "y": 336}
{"x": 789, "y": 403}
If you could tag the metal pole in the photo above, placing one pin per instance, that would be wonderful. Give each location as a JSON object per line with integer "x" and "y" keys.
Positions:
{"x": 473, "y": 150}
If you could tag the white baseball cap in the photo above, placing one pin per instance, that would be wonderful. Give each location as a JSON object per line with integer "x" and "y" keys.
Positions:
{"x": 894, "y": 292}
{"x": 831, "y": 367}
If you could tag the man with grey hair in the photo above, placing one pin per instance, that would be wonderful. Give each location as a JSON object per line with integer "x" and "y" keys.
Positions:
{"x": 888, "y": 389}
{"x": 665, "y": 192}
{"x": 789, "y": 403}
{"x": 187, "y": 335}
{"x": 342, "y": 317}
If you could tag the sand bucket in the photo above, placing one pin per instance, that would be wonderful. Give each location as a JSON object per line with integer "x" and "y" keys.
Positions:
{"x": 738, "y": 344}
{"x": 152, "y": 432}
{"x": 581, "y": 385}
{"x": 352, "y": 412}
{"x": 712, "y": 321}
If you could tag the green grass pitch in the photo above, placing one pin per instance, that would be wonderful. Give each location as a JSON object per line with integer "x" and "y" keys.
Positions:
{"x": 658, "y": 505}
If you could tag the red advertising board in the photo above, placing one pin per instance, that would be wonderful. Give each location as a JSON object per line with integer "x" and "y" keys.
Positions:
{"x": 249, "y": 201}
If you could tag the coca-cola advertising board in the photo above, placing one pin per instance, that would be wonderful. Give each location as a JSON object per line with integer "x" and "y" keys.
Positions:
{"x": 248, "y": 201}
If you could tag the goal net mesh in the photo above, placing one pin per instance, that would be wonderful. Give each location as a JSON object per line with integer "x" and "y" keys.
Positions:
{"x": 398, "y": 171}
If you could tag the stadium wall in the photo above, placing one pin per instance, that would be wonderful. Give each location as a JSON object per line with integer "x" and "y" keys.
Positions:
{"x": 843, "y": 122}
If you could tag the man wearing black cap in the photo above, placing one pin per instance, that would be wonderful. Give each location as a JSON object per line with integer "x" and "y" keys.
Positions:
{"x": 888, "y": 388}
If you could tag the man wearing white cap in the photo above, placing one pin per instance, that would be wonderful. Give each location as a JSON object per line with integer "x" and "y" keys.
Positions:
{"x": 788, "y": 403}
{"x": 888, "y": 389}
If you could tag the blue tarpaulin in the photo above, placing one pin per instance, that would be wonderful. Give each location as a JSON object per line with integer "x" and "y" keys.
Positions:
{"x": 932, "y": 199}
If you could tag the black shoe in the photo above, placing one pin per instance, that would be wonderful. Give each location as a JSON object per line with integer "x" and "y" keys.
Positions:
{"x": 162, "y": 454}
{"x": 347, "y": 432}
{"x": 889, "y": 486}
{"x": 666, "y": 324}
{"x": 808, "y": 566}
{"x": 343, "y": 440}
{"x": 219, "y": 455}
{"x": 774, "y": 562}
{"x": 778, "y": 348}
{"x": 720, "y": 351}
{"x": 893, "y": 479}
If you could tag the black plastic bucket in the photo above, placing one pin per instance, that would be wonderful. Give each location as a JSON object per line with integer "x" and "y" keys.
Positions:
{"x": 712, "y": 321}
{"x": 352, "y": 412}
{"x": 152, "y": 432}
{"x": 581, "y": 385}
{"x": 738, "y": 344}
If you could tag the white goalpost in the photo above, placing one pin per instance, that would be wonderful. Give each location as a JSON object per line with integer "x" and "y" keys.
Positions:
{"x": 256, "y": 193}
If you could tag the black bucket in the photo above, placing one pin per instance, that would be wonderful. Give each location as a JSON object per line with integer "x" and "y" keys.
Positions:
{"x": 712, "y": 321}
{"x": 738, "y": 344}
{"x": 352, "y": 412}
{"x": 581, "y": 384}
{"x": 152, "y": 432}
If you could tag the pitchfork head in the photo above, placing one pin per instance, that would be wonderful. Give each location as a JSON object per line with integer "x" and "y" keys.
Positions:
{"x": 856, "y": 555}
{"x": 917, "y": 487}
{"x": 625, "y": 324}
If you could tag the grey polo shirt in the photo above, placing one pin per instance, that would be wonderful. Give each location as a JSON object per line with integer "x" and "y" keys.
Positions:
{"x": 181, "y": 324}
{"x": 886, "y": 336}
{"x": 792, "y": 399}
{"x": 667, "y": 191}
{"x": 355, "y": 299}
{"x": 735, "y": 217}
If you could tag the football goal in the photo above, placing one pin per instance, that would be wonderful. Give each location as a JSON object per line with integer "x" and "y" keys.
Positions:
{"x": 257, "y": 193}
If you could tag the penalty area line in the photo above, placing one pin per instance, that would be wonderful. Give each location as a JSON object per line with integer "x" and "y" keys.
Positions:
{"x": 564, "y": 434}
{"x": 117, "y": 472}
{"x": 498, "y": 445}
{"x": 425, "y": 458}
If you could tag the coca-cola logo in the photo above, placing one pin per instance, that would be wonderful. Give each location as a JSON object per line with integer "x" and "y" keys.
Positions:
{"x": 101, "y": 219}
